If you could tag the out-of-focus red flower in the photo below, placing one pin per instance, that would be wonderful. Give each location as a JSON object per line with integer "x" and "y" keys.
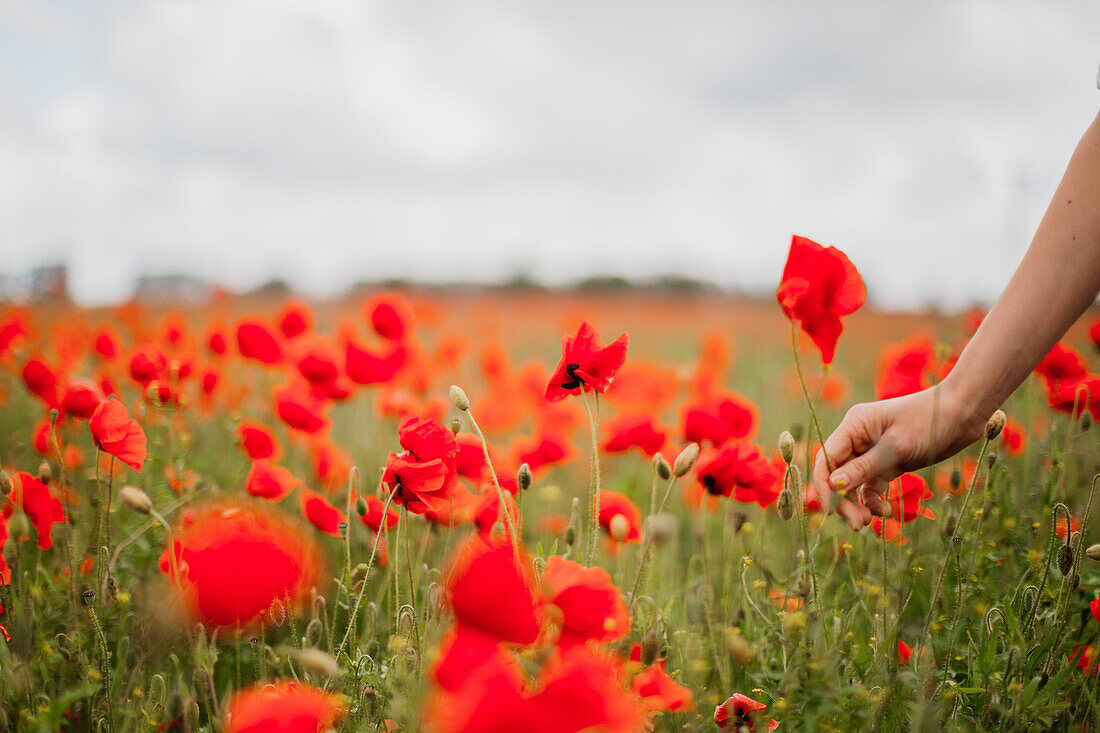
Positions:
{"x": 1094, "y": 333}
{"x": 541, "y": 451}
{"x": 269, "y": 481}
{"x": 216, "y": 341}
{"x": 106, "y": 343}
{"x": 906, "y": 653}
{"x": 470, "y": 457}
{"x": 613, "y": 504}
{"x": 147, "y": 365}
{"x": 364, "y": 367}
{"x": 740, "y": 712}
{"x": 283, "y": 707}
{"x": 41, "y": 381}
{"x": 1062, "y": 364}
{"x": 642, "y": 388}
{"x": 257, "y": 441}
{"x": 320, "y": 512}
{"x": 908, "y": 502}
{"x": 487, "y": 511}
{"x": 1086, "y": 660}
{"x": 783, "y": 601}
{"x": 82, "y": 397}
{"x": 42, "y": 438}
{"x": 1013, "y": 438}
{"x": 234, "y": 561}
{"x": 299, "y": 409}
{"x": 1095, "y": 608}
{"x": 905, "y": 368}
{"x": 820, "y": 286}
{"x": 586, "y": 363}
{"x": 633, "y": 431}
{"x": 592, "y": 608}
{"x": 424, "y": 474}
{"x": 1074, "y": 397}
{"x": 719, "y": 419}
{"x": 1062, "y": 530}
{"x": 116, "y": 433}
{"x": 256, "y": 341}
{"x": 331, "y": 463}
{"x": 373, "y": 517}
{"x": 739, "y": 470}
{"x": 389, "y": 315}
{"x": 12, "y": 327}
{"x": 41, "y": 507}
{"x": 295, "y": 320}
{"x": 660, "y": 693}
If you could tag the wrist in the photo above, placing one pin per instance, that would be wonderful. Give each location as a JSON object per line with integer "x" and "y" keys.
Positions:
{"x": 962, "y": 408}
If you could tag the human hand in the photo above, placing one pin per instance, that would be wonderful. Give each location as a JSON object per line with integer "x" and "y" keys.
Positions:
{"x": 878, "y": 441}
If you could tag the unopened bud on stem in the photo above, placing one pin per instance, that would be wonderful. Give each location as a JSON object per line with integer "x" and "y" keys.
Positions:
{"x": 995, "y": 425}
{"x": 660, "y": 465}
{"x": 458, "y": 396}
{"x": 686, "y": 460}
{"x": 136, "y": 499}
{"x": 786, "y": 446}
{"x": 523, "y": 477}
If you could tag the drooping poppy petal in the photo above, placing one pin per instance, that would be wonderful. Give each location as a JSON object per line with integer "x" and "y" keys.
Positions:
{"x": 41, "y": 507}
{"x": 116, "y": 433}
{"x": 321, "y": 513}
{"x": 586, "y": 363}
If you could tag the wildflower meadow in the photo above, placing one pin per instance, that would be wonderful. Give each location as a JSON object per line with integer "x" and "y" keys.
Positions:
{"x": 519, "y": 510}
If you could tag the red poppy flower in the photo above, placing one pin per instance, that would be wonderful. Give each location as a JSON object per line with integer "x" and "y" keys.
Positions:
{"x": 331, "y": 463}
{"x": 908, "y": 503}
{"x": 719, "y": 419}
{"x": 1013, "y": 438}
{"x": 742, "y": 712}
{"x": 114, "y": 432}
{"x": 41, "y": 507}
{"x": 82, "y": 397}
{"x": 106, "y": 343}
{"x": 1062, "y": 364}
{"x": 269, "y": 481}
{"x": 147, "y": 365}
{"x": 820, "y": 286}
{"x": 42, "y": 438}
{"x": 424, "y": 474}
{"x": 320, "y": 512}
{"x": 1074, "y": 397}
{"x": 1094, "y": 333}
{"x": 373, "y": 517}
{"x": 905, "y": 368}
{"x": 487, "y": 512}
{"x": 541, "y": 451}
{"x": 660, "y": 693}
{"x": 41, "y": 380}
{"x": 295, "y": 320}
{"x": 592, "y": 608}
{"x": 613, "y": 504}
{"x": 1095, "y": 608}
{"x": 255, "y": 341}
{"x": 1086, "y": 660}
{"x": 217, "y": 342}
{"x": 634, "y": 431}
{"x": 233, "y": 562}
{"x": 470, "y": 457}
{"x": 741, "y": 471}
{"x": 586, "y": 363}
{"x": 364, "y": 367}
{"x": 389, "y": 316}
{"x": 283, "y": 707}
{"x": 643, "y": 388}
{"x": 12, "y": 327}
{"x": 299, "y": 409}
{"x": 257, "y": 441}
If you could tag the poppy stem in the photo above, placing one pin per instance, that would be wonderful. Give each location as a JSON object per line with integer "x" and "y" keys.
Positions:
{"x": 806, "y": 395}
{"x": 496, "y": 482}
{"x": 594, "y": 486}
{"x": 647, "y": 541}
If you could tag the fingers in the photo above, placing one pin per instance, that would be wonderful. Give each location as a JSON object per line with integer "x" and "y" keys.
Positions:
{"x": 863, "y": 469}
{"x": 856, "y": 515}
{"x": 873, "y": 494}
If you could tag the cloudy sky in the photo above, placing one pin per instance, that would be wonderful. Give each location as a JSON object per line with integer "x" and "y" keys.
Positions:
{"x": 332, "y": 141}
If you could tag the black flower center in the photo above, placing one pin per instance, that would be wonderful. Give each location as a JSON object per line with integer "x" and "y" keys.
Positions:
{"x": 711, "y": 485}
{"x": 575, "y": 381}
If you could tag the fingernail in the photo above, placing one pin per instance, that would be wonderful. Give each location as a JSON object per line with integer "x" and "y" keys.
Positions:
{"x": 888, "y": 511}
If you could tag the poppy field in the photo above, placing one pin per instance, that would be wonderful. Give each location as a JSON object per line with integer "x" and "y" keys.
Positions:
{"x": 525, "y": 510}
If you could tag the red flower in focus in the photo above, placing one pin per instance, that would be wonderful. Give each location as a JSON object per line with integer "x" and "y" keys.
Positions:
{"x": 389, "y": 316}
{"x": 233, "y": 562}
{"x": 114, "y": 432}
{"x": 586, "y": 363}
{"x": 255, "y": 341}
{"x": 41, "y": 507}
{"x": 424, "y": 475}
{"x": 905, "y": 368}
{"x": 741, "y": 471}
{"x": 613, "y": 504}
{"x": 908, "y": 503}
{"x": 283, "y": 707}
{"x": 592, "y": 608}
{"x": 820, "y": 285}
{"x": 269, "y": 481}
{"x": 634, "y": 431}
{"x": 740, "y": 711}
{"x": 660, "y": 693}
{"x": 320, "y": 512}
{"x": 258, "y": 441}
{"x": 719, "y": 419}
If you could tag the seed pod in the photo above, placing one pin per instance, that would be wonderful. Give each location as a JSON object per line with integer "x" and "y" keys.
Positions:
{"x": 570, "y": 535}
{"x": 1073, "y": 582}
{"x": 619, "y": 527}
{"x": 88, "y": 596}
{"x": 991, "y": 459}
{"x": 1093, "y": 551}
{"x": 1086, "y": 421}
{"x": 1065, "y": 559}
{"x": 317, "y": 662}
{"x": 785, "y": 505}
{"x": 19, "y": 527}
{"x": 786, "y": 446}
{"x": 135, "y": 499}
{"x": 456, "y": 427}
{"x": 995, "y": 425}
{"x": 5, "y": 483}
{"x": 685, "y": 460}
{"x": 458, "y": 396}
{"x": 314, "y": 631}
{"x": 956, "y": 478}
{"x": 44, "y": 473}
{"x": 651, "y": 647}
{"x": 523, "y": 477}
{"x": 361, "y": 506}
{"x": 660, "y": 465}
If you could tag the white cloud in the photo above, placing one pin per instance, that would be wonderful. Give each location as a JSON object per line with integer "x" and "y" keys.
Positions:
{"x": 329, "y": 142}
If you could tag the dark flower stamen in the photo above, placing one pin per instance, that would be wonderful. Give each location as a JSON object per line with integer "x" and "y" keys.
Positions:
{"x": 576, "y": 381}
{"x": 711, "y": 485}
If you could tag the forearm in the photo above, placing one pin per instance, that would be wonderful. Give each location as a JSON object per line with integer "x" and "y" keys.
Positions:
{"x": 1057, "y": 280}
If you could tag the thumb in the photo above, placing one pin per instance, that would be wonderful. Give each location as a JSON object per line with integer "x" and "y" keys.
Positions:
{"x": 862, "y": 469}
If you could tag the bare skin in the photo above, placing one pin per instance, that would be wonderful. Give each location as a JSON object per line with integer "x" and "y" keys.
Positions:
{"x": 1058, "y": 279}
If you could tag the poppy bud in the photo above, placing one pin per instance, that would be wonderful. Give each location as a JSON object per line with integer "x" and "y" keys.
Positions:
{"x": 523, "y": 477}
{"x": 570, "y": 535}
{"x": 343, "y": 529}
{"x": 19, "y": 527}
{"x": 660, "y": 465}
{"x": 314, "y": 631}
{"x": 785, "y": 505}
{"x": 956, "y": 478}
{"x": 458, "y": 396}
{"x": 995, "y": 425}
{"x": 44, "y": 473}
{"x": 317, "y": 662}
{"x": 685, "y": 460}
{"x": 660, "y": 528}
{"x": 88, "y": 596}
{"x": 786, "y": 446}
{"x": 991, "y": 459}
{"x": 5, "y": 483}
{"x": 1065, "y": 559}
{"x": 651, "y": 647}
{"x": 1073, "y": 582}
{"x": 361, "y": 506}
{"x": 1086, "y": 421}
{"x": 1093, "y": 552}
{"x": 135, "y": 499}
{"x": 456, "y": 427}
{"x": 619, "y": 527}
